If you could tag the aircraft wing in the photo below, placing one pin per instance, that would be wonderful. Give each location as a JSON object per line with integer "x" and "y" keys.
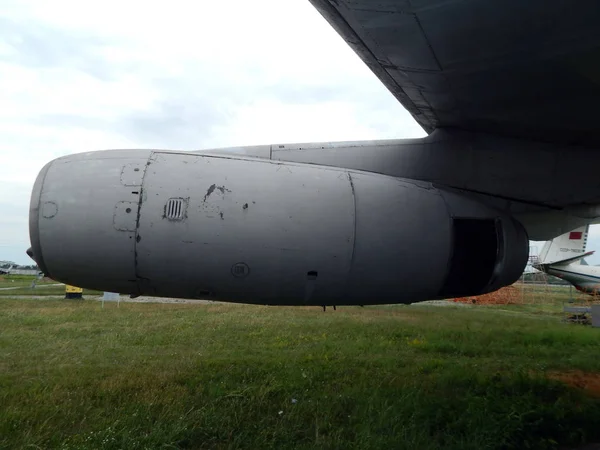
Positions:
{"x": 525, "y": 69}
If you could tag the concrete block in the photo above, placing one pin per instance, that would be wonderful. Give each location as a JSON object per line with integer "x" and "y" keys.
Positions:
{"x": 596, "y": 316}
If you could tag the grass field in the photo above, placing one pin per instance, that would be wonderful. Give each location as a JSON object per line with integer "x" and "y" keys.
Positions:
{"x": 76, "y": 376}
{"x": 7, "y": 281}
{"x": 18, "y": 285}
{"x": 44, "y": 290}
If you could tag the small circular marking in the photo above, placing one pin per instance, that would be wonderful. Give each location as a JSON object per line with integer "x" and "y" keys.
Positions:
{"x": 128, "y": 210}
{"x": 240, "y": 270}
{"x": 49, "y": 210}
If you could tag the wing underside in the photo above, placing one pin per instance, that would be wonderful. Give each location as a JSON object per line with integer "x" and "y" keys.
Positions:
{"x": 525, "y": 69}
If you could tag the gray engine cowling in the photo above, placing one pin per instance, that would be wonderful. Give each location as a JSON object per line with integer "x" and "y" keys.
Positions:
{"x": 193, "y": 225}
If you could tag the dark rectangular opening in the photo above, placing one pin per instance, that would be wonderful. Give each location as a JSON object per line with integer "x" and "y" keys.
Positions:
{"x": 474, "y": 256}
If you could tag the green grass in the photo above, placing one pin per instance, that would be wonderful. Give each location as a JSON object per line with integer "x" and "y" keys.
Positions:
{"x": 544, "y": 294}
{"x": 22, "y": 281}
{"x": 546, "y": 300}
{"x": 44, "y": 291}
{"x": 21, "y": 285}
{"x": 76, "y": 376}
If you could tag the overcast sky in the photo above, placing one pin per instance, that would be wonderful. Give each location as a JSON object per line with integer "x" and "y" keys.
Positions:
{"x": 78, "y": 76}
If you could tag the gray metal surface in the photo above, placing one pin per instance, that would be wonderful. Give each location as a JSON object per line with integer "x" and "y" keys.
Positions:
{"x": 541, "y": 184}
{"x": 81, "y": 219}
{"x": 595, "y": 316}
{"x": 257, "y": 231}
{"x": 526, "y": 69}
{"x": 280, "y": 222}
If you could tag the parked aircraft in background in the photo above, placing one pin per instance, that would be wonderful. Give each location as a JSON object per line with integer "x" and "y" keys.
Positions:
{"x": 509, "y": 93}
{"x": 563, "y": 257}
{"x": 12, "y": 270}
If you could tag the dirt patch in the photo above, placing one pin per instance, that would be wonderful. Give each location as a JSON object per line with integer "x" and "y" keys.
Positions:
{"x": 587, "y": 381}
{"x": 508, "y": 295}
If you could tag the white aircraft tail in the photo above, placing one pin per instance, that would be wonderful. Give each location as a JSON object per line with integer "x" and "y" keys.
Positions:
{"x": 566, "y": 248}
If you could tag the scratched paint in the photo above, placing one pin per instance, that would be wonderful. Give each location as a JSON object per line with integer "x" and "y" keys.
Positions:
{"x": 212, "y": 188}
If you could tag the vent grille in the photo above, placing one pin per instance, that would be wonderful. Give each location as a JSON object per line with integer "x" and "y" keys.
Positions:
{"x": 175, "y": 209}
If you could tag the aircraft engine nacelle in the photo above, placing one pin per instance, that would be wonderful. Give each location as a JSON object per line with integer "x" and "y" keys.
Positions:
{"x": 195, "y": 225}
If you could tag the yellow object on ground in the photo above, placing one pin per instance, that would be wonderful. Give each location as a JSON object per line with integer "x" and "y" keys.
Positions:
{"x": 73, "y": 291}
